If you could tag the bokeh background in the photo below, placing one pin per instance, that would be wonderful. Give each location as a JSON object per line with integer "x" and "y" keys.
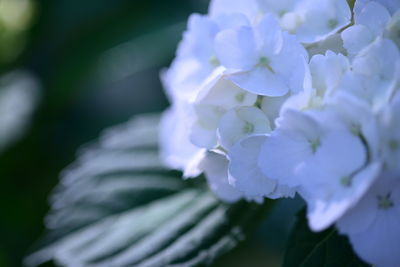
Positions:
{"x": 98, "y": 64}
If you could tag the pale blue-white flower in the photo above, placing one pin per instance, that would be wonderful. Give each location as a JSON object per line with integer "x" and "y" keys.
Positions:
{"x": 373, "y": 225}
{"x": 391, "y": 5}
{"x": 372, "y": 21}
{"x": 196, "y": 58}
{"x": 215, "y": 167}
{"x": 271, "y": 106}
{"x": 250, "y": 8}
{"x": 295, "y": 139}
{"x": 374, "y": 74}
{"x": 240, "y": 122}
{"x": 263, "y": 59}
{"x": 327, "y": 72}
{"x": 176, "y": 150}
{"x": 390, "y": 133}
{"x": 320, "y": 156}
{"x": 310, "y": 20}
{"x": 393, "y": 28}
{"x": 245, "y": 174}
{"x": 217, "y": 96}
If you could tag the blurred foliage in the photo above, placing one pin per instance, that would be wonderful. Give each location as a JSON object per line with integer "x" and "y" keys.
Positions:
{"x": 327, "y": 248}
{"x": 117, "y": 205}
{"x": 15, "y": 17}
{"x": 98, "y": 62}
{"x": 64, "y": 46}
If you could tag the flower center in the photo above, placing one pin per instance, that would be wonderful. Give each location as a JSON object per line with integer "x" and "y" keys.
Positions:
{"x": 355, "y": 129}
{"x": 214, "y": 61}
{"x": 265, "y": 62}
{"x": 239, "y": 97}
{"x": 394, "y": 145}
{"x": 385, "y": 202}
{"x": 282, "y": 12}
{"x": 314, "y": 145}
{"x": 346, "y": 181}
{"x": 332, "y": 23}
{"x": 248, "y": 128}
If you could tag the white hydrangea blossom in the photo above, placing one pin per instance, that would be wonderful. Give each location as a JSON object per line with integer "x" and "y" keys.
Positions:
{"x": 270, "y": 98}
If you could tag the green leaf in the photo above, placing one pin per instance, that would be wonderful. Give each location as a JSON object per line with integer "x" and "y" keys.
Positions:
{"x": 117, "y": 205}
{"x": 327, "y": 248}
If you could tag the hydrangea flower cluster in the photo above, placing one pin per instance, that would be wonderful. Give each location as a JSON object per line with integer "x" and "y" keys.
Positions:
{"x": 273, "y": 98}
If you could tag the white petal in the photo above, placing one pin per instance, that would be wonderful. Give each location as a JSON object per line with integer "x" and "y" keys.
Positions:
{"x": 192, "y": 168}
{"x": 176, "y": 150}
{"x": 220, "y": 92}
{"x": 236, "y": 48}
{"x": 321, "y": 18}
{"x": 358, "y": 117}
{"x": 269, "y": 35}
{"x": 282, "y": 191}
{"x": 390, "y": 133}
{"x": 356, "y": 38}
{"x": 248, "y": 7}
{"x": 231, "y": 21}
{"x": 299, "y": 78}
{"x": 374, "y": 231}
{"x": 302, "y": 101}
{"x": 244, "y": 173}
{"x": 291, "y": 21}
{"x": 291, "y": 63}
{"x": 271, "y": 106}
{"x": 261, "y": 81}
{"x": 280, "y": 155}
{"x": 184, "y": 77}
{"x": 391, "y": 5}
{"x": 291, "y": 54}
{"x": 203, "y": 129}
{"x": 341, "y": 152}
{"x": 198, "y": 39}
{"x": 379, "y": 59}
{"x": 393, "y": 28}
{"x": 327, "y": 70}
{"x": 278, "y": 7}
{"x": 215, "y": 167}
{"x": 322, "y": 213}
{"x": 379, "y": 245}
{"x": 192, "y": 64}
{"x": 374, "y": 16}
{"x": 358, "y": 219}
{"x": 240, "y": 122}
{"x": 299, "y": 122}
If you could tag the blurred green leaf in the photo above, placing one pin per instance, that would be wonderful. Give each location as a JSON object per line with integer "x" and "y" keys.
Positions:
{"x": 327, "y": 248}
{"x": 118, "y": 206}
{"x": 19, "y": 94}
{"x": 3, "y": 258}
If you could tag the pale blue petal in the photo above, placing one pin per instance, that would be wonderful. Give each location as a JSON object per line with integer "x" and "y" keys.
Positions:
{"x": 356, "y": 38}
{"x": 236, "y": 48}
{"x": 215, "y": 167}
{"x": 261, "y": 81}
{"x": 374, "y": 16}
{"x": 243, "y": 170}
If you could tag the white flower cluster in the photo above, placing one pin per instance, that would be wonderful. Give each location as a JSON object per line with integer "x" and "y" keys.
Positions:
{"x": 272, "y": 98}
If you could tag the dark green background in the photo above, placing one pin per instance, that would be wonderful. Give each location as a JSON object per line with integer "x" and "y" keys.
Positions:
{"x": 69, "y": 45}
